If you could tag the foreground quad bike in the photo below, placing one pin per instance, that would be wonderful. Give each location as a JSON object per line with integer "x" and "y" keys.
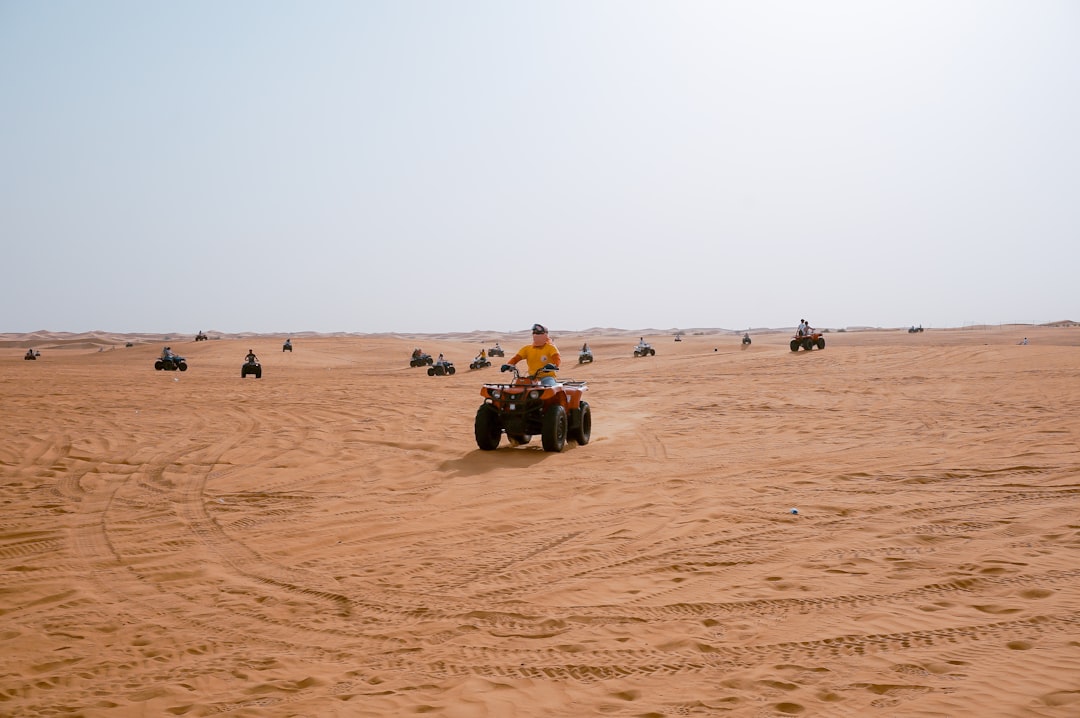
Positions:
{"x": 808, "y": 342}
{"x": 251, "y": 367}
{"x": 421, "y": 360}
{"x": 526, "y": 407}
{"x": 173, "y": 363}
{"x": 444, "y": 369}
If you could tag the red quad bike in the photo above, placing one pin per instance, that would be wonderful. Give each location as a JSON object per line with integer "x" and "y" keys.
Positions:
{"x": 526, "y": 407}
{"x": 808, "y": 342}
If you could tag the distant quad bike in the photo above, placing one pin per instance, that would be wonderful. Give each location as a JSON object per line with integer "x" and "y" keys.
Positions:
{"x": 746, "y": 340}
{"x": 30, "y": 356}
{"x": 421, "y": 360}
{"x": 644, "y": 350}
{"x": 585, "y": 357}
{"x": 200, "y": 337}
{"x": 526, "y": 407}
{"x": 446, "y": 368}
{"x": 808, "y": 342}
{"x": 251, "y": 367}
{"x": 914, "y": 330}
{"x": 479, "y": 363}
{"x": 172, "y": 363}
{"x": 286, "y": 347}
{"x": 496, "y": 352}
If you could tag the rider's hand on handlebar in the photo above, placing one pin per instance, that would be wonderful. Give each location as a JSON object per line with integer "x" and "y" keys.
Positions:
{"x": 507, "y": 367}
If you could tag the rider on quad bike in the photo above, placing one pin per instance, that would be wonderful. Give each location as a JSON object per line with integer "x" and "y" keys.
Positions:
{"x": 534, "y": 404}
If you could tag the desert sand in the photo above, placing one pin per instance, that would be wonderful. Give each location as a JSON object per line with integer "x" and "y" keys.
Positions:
{"x": 888, "y": 527}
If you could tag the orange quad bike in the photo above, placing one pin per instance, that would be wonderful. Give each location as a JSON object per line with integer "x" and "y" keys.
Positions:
{"x": 808, "y": 341}
{"x": 526, "y": 407}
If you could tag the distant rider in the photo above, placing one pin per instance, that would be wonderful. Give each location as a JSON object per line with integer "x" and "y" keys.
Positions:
{"x": 251, "y": 358}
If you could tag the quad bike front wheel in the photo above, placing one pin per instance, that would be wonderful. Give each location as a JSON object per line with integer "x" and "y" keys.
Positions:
{"x": 554, "y": 430}
{"x": 487, "y": 428}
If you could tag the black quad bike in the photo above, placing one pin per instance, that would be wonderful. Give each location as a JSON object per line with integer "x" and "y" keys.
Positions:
{"x": 251, "y": 366}
{"x": 421, "y": 360}
{"x": 445, "y": 368}
{"x": 526, "y": 407}
{"x": 171, "y": 363}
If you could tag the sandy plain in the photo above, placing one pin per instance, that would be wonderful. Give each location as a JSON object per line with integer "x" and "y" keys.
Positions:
{"x": 328, "y": 540}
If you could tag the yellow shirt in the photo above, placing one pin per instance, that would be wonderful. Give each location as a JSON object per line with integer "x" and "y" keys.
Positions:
{"x": 537, "y": 357}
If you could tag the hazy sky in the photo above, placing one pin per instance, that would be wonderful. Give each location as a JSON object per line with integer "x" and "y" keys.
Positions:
{"x": 446, "y": 166}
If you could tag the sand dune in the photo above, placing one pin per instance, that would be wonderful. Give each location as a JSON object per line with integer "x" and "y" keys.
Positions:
{"x": 329, "y": 541}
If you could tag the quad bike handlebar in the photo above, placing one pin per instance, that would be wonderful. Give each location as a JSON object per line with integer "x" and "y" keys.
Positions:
{"x": 517, "y": 374}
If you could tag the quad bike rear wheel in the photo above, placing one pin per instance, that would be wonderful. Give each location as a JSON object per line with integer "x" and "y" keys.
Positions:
{"x": 582, "y": 431}
{"x": 554, "y": 431}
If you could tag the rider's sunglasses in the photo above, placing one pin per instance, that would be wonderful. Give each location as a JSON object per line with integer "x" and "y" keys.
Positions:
{"x": 539, "y": 330}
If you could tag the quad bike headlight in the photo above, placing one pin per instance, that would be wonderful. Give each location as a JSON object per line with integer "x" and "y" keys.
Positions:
{"x": 534, "y": 394}
{"x": 495, "y": 393}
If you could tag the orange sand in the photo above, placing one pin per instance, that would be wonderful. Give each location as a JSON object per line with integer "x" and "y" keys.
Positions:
{"x": 328, "y": 540}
